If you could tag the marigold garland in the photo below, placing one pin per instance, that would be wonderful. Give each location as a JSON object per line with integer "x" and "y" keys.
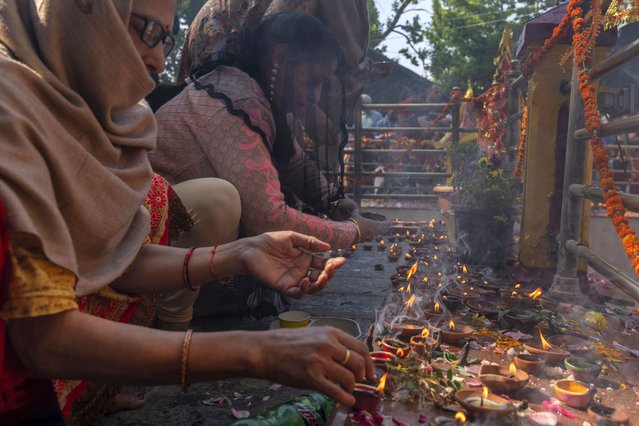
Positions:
{"x": 521, "y": 150}
{"x": 615, "y": 209}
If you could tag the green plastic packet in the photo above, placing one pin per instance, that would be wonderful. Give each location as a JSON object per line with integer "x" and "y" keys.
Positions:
{"x": 305, "y": 410}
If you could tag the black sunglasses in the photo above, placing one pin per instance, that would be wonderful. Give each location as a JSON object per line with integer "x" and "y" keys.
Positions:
{"x": 153, "y": 32}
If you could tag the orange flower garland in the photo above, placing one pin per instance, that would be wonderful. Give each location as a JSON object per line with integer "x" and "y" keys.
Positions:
{"x": 558, "y": 33}
{"x": 614, "y": 204}
{"x": 521, "y": 150}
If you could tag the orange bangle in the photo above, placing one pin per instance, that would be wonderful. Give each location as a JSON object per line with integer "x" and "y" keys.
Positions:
{"x": 186, "y": 348}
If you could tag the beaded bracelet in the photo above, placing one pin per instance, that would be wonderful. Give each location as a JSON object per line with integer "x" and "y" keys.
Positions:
{"x": 186, "y": 348}
{"x": 185, "y": 270}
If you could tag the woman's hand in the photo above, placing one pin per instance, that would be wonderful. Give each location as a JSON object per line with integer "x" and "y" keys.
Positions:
{"x": 326, "y": 359}
{"x": 369, "y": 228}
{"x": 285, "y": 262}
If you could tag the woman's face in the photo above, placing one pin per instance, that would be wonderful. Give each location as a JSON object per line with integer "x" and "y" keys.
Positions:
{"x": 161, "y": 11}
{"x": 308, "y": 81}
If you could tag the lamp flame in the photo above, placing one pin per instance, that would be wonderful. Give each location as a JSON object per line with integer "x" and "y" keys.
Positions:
{"x": 535, "y": 294}
{"x": 435, "y": 257}
{"x": 408, "y": 289}
{"x": 517, "y": 285}
{"x": 382, "y": 382}
{"x": 460, "y": 417}
{"x": 512, "y": 370}
{"x": 412, "y": 270}
{"x": 544, "y": 343}
{"x": 354, "y": 247}
{"x": 484, "y": 392}
{"x": 464, "y": 269}
{"x": 400, "y": 352}
{"x": 431, "y": 224}
{"x": 408, "y": 256}
{"x": 444, "y": 297}
{"x": 513, "y": 294}
{"x": 425, "y": 333}
{"x": 451, "y": 325}
{"x": 425, "y": 280}
{"x": 410, "y": 302}
{"x": 436, "y": 308}
{"x": 401, "y": 289}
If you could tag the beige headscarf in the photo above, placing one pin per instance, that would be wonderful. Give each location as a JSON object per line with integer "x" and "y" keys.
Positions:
{"x": 74, "y": 135}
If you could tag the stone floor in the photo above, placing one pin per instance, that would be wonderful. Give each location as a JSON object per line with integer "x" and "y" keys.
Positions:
{"x": 356, "y": 292}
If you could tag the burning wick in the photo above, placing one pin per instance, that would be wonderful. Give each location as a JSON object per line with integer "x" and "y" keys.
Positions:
{"x": 512, "y": 371}
{"x": 436, "y": 308}
{"x": 408, "y": 289}
{"x": 460, "y": 417}
{"x": 535, "y": 294}
{"x": 517, "y": 285}
{"x": 410, "y": 302}
{"x": 412, "y": 270}
{"x": 544, "y": 344}
{"x": 513, "y": 294}
{"x": 451, "y": 325}
{"x": 425, "y": 333}
{"x": 464, "y": 269}
{"x": 484, "y": 394}
{"x": 382, "y": 382}
{"x": 425, "y": 280}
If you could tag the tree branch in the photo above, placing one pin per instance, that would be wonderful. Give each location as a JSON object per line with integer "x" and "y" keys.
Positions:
{"x": 392, "y": 23}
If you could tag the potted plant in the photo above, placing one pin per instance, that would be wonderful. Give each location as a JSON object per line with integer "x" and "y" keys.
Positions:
{"x": 483, "y": 208}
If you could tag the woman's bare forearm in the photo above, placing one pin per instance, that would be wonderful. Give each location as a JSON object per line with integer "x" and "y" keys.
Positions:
{"x": 74, "y": 345}
{"x": 160, "y": 269}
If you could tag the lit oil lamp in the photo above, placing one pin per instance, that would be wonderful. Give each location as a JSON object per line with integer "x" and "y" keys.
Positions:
{"x": 424, "y": 344}
{"x": 456, "y": 332}
{"x": 546, "y": 351}
{"x": 395, "y": 346}
{"x": 381, "y": 246}
{"x": 369, "y": 397}
{"x": 408, "y": 256}
{"x": 435, "y": 311}
{"x": 483, "y": 404}
{"x": 501, "y": 380}
{"x": 461, "y": 418}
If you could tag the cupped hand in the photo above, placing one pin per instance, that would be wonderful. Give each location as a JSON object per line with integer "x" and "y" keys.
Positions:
{"x": 315, "y": 359}
{"x": 285, "y": 261}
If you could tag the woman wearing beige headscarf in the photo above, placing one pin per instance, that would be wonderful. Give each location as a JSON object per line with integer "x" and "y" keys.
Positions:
{"x": 74, "y": 176}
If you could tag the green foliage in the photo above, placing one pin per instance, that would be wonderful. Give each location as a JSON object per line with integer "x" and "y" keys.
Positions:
{"x": 480, "y": 184}
{"x": 460, "y": 40}
{"x": 187, "y": 11}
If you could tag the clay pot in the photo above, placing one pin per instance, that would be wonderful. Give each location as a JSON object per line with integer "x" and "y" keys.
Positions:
{"x": 530, "y": 364}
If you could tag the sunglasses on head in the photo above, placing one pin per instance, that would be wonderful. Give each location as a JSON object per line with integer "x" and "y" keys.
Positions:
{"x": 153, "y": 32}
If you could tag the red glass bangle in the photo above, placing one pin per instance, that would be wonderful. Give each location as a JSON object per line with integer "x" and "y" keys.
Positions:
{"x": 185, "y": 270}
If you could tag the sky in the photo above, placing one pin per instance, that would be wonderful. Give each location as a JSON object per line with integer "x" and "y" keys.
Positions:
{"x": 395, "y": 41}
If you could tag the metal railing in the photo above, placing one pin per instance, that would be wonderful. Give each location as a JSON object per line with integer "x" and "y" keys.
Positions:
{"x": 361, "y": 172}
{"x": 566, "y": 284}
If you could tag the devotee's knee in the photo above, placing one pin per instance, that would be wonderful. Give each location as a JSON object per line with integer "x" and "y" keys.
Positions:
{"x": 215, "y": 207}
{"x": 175, "y": 310}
